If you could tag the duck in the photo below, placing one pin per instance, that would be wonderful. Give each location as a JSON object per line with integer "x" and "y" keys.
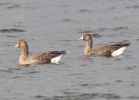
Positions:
{"x": 53, "y": 57}
{"x": 107, "y": 50}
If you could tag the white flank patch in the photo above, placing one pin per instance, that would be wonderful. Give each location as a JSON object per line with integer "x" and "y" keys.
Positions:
{"x": 57, "y": 59}
{"x": 119, "y": 51}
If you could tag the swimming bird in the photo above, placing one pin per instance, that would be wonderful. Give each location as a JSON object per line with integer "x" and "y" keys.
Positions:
{"x": 107, "y": 50}
{"x": 38, "y": 58}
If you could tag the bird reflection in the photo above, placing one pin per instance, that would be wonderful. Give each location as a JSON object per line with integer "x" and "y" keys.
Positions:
{"x": 86, "y": 58}
{"x": 25, "y": 65}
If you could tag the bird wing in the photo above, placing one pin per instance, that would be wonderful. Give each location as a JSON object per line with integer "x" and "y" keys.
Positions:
{"x": 45, "y": 57}
{"x": 106, "y": 50}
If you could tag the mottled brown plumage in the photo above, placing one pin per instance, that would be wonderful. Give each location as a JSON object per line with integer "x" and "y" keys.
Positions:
{"x": 108, "y": 50}
{"x": 38, "y": 58}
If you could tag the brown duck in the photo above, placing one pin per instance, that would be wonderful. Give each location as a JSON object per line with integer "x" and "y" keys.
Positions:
{"x": 38, "y": 58}
{"x": 108, "y": 50}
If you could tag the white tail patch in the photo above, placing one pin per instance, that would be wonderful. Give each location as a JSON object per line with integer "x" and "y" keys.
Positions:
{"x": 57, "y": 59}
{"x": 119, "y": 51}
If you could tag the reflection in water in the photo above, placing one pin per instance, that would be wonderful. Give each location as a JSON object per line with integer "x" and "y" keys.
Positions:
{"x": 79, "y": 77}
{"x": 25, "y": 65}
{"x": 86, "y": 58}
{"x": 89, "y": 58}
{"x": 35, "y": 65}
{"x": 29, "y": 65}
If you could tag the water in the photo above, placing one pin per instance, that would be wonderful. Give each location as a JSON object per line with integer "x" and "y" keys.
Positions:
{"x": 56, "y": 25}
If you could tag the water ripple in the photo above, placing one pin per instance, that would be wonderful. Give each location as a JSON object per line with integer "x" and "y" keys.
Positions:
{"x": 80, "y": 97}
{"x": 11, "y": 30}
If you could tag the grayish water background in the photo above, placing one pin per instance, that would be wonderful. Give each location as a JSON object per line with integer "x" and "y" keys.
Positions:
{"x": 56, "y": 25}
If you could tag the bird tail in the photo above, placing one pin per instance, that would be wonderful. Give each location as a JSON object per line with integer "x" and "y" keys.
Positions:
{"x": 126, "y": 44}
{"x": 59, "y": 52}
{"x": 122, "y": 44}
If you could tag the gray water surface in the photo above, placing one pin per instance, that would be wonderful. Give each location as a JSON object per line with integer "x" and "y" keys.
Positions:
{"x": 49, "y": 25}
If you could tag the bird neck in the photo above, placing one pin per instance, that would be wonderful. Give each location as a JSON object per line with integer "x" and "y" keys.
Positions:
{"x": 88, "y": 47}
{"x": 24, "y": 53}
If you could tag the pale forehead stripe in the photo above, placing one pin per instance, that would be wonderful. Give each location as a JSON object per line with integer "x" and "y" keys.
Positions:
{"x": 82, "y": 37}
{"x": 18, "y": 45}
